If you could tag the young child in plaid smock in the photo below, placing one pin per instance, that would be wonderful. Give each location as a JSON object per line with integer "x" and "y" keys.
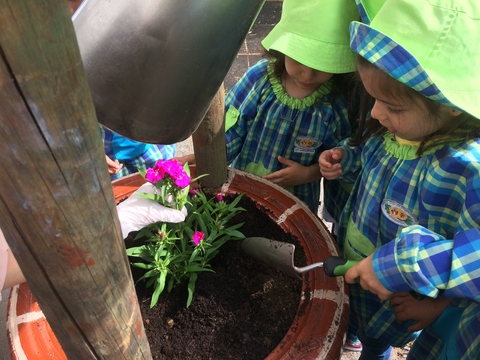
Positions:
{"x": 414, "y": 214}
{"x": 131, "y": 155}
{"x": 287, "y": 109}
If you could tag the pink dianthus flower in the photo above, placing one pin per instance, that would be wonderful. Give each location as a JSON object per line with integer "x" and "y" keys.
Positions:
{"x": 197, "y": 237}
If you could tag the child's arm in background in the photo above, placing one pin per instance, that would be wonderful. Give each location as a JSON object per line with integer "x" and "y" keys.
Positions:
{"x": 113, "y": 166}
{"x": 190, "y": 159}
{"x": 423, "y": 312}
{"x": 293, "y": 174}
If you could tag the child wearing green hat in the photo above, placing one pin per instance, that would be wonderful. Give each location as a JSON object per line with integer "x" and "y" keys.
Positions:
{"x": 290, "y": 107}
{"x": 298, "y": 102}
{"x": 413, "y": 218}
{"x": 294, "y": 104}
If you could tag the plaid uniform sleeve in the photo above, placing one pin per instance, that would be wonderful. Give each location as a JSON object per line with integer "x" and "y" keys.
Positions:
{"x": 430, "y": 264}
{"x": 351, "y": 162}
{"x": 429, "y": 261}
{"x": 241, "y": 107}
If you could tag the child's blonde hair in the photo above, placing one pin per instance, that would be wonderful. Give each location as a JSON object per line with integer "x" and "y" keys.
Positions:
{"x": 463, "y": 127}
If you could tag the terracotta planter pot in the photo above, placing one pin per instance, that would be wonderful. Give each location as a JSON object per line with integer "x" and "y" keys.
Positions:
{"x": 319, "y": 325}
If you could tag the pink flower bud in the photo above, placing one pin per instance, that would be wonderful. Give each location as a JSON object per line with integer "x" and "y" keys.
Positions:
{"x": 197, "y": 237}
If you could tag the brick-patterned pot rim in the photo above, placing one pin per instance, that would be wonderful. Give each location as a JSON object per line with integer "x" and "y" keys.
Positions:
{"x": 320, "y": 322}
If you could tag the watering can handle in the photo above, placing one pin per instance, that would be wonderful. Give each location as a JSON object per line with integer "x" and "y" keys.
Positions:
{"x": 338, "y": 266}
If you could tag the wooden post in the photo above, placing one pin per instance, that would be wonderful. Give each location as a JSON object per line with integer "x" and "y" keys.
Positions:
{"x": 57, "y": 208}
{"x": 209, "y": 143}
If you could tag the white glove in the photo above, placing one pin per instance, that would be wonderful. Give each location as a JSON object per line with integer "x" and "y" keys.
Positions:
{"x": 137, "y": 212}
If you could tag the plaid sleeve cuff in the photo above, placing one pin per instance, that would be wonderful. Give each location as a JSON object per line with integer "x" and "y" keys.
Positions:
{"x": 415, "y": 260}
{"x": 386, "y": 269}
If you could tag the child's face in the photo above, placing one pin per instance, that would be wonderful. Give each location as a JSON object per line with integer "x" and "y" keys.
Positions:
{"x": 407, "y": 118}
{"x": 305, "y": 77}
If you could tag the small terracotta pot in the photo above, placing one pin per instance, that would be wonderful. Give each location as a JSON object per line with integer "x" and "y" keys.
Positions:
{"x": 319, "y": 325}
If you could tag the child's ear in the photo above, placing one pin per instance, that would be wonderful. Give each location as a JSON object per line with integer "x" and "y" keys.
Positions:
{"x": 454, "y": 112}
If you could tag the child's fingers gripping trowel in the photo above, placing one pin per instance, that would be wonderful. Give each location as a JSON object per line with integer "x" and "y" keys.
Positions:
{"x": 280, "y": 255}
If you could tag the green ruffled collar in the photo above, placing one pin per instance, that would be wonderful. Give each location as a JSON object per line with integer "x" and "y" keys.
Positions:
{"x": 405, "y": 150}
{"x": 295, "y": 103}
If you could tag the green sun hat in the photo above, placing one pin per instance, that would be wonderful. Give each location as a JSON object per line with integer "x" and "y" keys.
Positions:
{"x": 432, "y": 46}
{"x": 315, "y": 33}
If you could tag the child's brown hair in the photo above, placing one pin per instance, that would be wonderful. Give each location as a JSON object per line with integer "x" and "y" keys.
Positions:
{"x": 343, "y": 84}
{"x": 464, "y": 127}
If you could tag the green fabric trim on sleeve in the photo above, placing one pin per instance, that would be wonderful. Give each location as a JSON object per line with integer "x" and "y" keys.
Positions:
{"x": 231, "y": 117}
{"x": 294, "y": 103}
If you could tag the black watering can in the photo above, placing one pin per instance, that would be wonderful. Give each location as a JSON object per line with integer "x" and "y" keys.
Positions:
{"x": 154, "y": 66}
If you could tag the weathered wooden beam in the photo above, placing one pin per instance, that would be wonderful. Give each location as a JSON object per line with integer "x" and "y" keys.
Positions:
{"x": 209, "y": 143}
{"x": 57, "y": 208}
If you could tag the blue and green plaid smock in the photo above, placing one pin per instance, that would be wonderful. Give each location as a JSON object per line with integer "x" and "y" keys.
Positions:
{"x": 422, "y": 213}
{"x": 134, "y": 155}
{"x": 263, "y": 122}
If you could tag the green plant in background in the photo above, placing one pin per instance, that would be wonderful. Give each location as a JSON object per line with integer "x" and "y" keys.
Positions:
{"x": 176, "y": 252}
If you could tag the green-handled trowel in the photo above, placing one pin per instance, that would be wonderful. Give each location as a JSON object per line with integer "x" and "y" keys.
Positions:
{"x": 280, "y": 255}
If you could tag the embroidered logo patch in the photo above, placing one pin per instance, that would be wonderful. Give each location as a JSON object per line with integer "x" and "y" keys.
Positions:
{"x": 304, "y": 144}
{"x": 397, "y": 213}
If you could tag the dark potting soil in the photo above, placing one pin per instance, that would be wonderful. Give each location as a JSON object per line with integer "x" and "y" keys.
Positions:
{"x": 242, "y": 311}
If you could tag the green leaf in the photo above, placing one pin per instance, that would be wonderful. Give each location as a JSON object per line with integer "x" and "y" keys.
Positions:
{"x": 235, "y": 235}
{"x": 191, "y": 288}
{"x": 138, "y": 251}
{"x": 150, "y": 274}
{"x": 146, "y": 232}
{"x": 171, "y": 282}
{"x": 159, "y": 286}
{"x": 151, "y": 281}
{"x": 154, "y": 197}
{"x": 198, "y": 268}
{"x": 212, "y": 235}
{"x": 201, "y": 223}
{"x": 234, "y": 203}
{"x": 143, "y": 265}
{"x": 197, "y": 178}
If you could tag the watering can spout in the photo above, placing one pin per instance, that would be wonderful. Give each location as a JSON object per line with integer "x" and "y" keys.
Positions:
{"x": 154, "y": 66}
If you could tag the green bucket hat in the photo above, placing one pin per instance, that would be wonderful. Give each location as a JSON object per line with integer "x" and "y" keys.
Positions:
{"x": 432, "y": 46}
{"x": 315, "y": 33}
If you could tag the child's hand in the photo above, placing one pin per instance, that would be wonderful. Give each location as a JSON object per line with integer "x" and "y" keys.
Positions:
{"x": 368, "y": 280}
{"x": 113, "y": 166}
{"x": 424, "y": 312}
{"x": 329, "y": 162}
{"x": 293, "y": 174}
{"x": 190, "y": 159}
